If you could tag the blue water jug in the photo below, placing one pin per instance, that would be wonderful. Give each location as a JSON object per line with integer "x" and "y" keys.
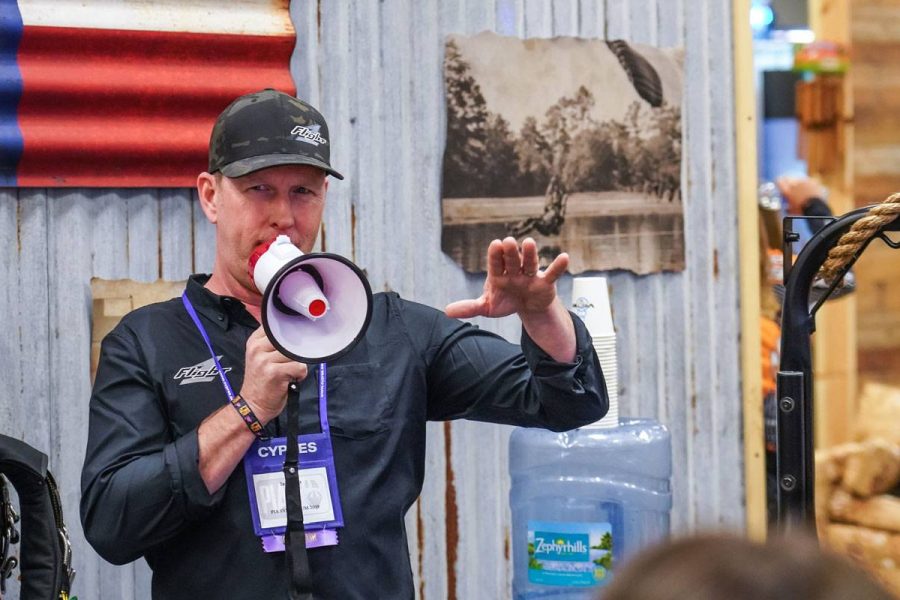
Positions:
{"x": 584, "y": 500}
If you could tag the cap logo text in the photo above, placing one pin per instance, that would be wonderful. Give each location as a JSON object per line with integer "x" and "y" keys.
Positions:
{"x": 309, "y": 135}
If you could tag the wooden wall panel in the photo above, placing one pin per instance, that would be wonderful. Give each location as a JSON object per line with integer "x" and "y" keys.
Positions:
{"x": 875, "y": 34}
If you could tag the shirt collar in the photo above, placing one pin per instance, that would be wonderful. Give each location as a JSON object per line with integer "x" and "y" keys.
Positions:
{"x": 221, "y": 310}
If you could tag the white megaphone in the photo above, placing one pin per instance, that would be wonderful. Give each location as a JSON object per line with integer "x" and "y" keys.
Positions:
{"x": 315, "y": 306}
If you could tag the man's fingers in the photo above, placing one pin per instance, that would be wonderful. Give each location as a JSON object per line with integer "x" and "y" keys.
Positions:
{"x": 260, "y": 344}
{"x": 464, "y": 309}
{"x": 530, "y": 263}
{"x": 512, "y": 260}
{"x": 495, "y": 259}
{"x": 556, "y": 268}
{"x": 295, "y": 370}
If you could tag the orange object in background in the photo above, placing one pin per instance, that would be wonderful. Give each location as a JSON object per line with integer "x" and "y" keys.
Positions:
{"x": 771, "y": 340}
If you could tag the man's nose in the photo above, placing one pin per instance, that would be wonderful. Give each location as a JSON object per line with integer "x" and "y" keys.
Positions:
{"x": 282, "y": 216}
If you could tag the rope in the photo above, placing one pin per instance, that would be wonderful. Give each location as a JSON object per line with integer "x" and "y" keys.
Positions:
{"x": 862, "y": 231}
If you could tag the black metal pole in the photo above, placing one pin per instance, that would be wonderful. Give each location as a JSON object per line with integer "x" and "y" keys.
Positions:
{"x": 795, "y": 443}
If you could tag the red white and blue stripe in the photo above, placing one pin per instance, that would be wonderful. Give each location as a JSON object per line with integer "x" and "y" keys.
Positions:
{"x": 123, "y": 93}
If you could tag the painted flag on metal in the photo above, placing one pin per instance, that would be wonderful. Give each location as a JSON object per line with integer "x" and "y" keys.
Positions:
{"x": 124, "y": 93}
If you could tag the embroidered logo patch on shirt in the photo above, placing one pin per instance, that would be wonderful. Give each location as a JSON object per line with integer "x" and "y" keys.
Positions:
{"x": 199, "y": 373}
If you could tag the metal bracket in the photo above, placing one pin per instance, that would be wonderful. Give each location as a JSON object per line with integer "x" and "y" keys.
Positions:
{"x": 790, "y": 236}
{"x": 794, "y": 469}
{"x": 887, "y": 240}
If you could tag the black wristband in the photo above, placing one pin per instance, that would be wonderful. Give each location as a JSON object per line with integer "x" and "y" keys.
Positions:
{"x": 248, "y": 415}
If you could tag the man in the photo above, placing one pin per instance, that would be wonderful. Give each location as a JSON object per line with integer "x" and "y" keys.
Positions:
{"x": 161, "y": 477}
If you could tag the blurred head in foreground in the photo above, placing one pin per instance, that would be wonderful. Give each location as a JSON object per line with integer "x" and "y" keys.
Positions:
{"x": 727, "y": 567}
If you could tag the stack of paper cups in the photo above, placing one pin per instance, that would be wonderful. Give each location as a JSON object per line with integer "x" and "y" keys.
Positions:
{"x": 590, "y": 301}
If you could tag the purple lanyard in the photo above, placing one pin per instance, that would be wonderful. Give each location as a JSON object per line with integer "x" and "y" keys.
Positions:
{"x": 229, "y": 391}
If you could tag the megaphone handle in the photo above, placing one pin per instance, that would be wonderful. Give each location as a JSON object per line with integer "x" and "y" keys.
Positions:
{"x": 295, "y": 535}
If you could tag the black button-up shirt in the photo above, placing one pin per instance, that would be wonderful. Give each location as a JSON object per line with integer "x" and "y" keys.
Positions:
{"x": 142, "y": 494}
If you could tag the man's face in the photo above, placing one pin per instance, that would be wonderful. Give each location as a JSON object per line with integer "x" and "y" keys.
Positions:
{"x": 253, "y": 209}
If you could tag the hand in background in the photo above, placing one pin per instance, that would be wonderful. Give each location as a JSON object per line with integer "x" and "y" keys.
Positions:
{"x": 798, "y": 191}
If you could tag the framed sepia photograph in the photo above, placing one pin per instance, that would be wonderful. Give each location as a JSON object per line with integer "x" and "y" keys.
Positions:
{"x": 574, "y": 142}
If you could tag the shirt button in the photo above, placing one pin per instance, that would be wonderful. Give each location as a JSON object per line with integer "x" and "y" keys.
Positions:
{"x": 220, "y": 317}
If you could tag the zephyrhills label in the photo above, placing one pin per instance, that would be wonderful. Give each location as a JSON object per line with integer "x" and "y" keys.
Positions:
{"x": 569, "y": 554}
{"x": 315, "y": 496}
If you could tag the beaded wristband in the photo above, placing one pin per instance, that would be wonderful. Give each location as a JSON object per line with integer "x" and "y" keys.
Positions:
{"x": 248, "y": 415}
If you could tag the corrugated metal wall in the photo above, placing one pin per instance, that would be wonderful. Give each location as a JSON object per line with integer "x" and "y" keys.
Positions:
{"x": 374, "y": 68}
{"x": 52, "y": 242}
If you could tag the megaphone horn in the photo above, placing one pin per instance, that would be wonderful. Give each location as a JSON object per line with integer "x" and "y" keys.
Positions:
{"x": 316, "y": 306}
{"x": 301, "y": 293}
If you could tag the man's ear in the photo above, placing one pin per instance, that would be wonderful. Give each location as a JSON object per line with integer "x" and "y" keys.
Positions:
{"x": 206, "y": 191}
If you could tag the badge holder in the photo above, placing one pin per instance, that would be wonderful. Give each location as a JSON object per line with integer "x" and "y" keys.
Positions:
{"x": 272, "y": 465}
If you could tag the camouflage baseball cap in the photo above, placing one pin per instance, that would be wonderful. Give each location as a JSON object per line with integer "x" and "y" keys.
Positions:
{"x": 267, "y": 129}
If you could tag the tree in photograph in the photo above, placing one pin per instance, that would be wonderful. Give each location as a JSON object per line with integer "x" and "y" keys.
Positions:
{"x": 500, "y": 171}
{"x": 534, "y": 158}
{"x": 665, "y": 146}
{"x": 648, "y": 145}
{"x": 593, "y": 163}
{"x": 562, "y": 123}
{"x": 480, "y": 157}
{"x": 467, "y": 118}
{"x": 632, "y": 150}
{"x": 548, "y": 149}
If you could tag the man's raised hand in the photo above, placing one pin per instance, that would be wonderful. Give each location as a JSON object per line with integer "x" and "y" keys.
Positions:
{"x": 514, "y": 282}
